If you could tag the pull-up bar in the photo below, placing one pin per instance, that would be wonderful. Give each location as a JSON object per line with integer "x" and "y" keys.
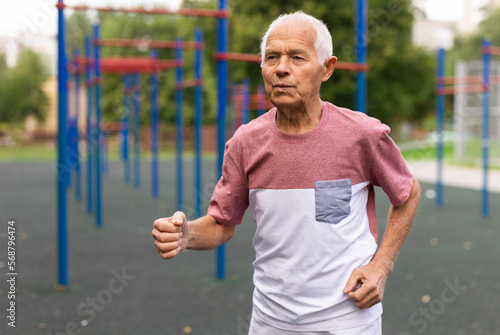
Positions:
{"x": 459, "y": 89}
{"x": 130, "y": 64}
{"x": 128, "y": 43}
{"x": 241, "y": 57}
{"x": 137, "y": 65}
{"x": 463, "y": 85}
{"x": 450, "y": 80}
{"x": 490, "y": 50}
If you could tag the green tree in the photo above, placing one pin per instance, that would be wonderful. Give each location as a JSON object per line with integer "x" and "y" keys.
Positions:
{"x": 3, "y": 77}
{"x": 22, "y": 92}
{"x": 3, "y": 63}
{"x": 468, "y": 47}
{"x": 78, "y": 27}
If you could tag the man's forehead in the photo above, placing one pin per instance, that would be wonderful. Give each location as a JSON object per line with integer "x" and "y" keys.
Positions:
{"x": 294, "y": 35}
{"x": 289, "y": 47}
{"x": 293, "y": 28}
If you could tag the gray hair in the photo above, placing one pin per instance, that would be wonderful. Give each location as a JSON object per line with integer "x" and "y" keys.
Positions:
{"x": 323, "y": 42}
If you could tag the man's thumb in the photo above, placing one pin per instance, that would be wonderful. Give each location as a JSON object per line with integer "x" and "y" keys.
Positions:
{"x": 352, "y": 283}
{"x": 178, "y": 218}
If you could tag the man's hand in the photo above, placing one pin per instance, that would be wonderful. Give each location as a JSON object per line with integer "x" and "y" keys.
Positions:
{"x": 372, "y": 277}
{"x": 366, "y": 285}
{"x": 171, "y": 235}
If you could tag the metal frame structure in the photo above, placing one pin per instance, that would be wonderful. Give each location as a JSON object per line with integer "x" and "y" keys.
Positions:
{"x": 470, "y": 84}
{"x": 222, "y": 58}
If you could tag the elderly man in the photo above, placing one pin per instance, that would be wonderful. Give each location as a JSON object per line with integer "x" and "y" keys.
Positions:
{"x": 307, "y": 170}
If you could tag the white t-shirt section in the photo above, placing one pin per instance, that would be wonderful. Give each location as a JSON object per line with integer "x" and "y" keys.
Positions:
{"x": 302, "y": 265}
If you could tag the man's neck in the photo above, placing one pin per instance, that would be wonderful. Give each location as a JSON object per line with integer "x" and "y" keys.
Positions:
{"x": 295, "y": 121}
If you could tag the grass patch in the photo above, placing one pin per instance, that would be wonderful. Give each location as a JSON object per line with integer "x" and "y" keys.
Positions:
{"x": 28, "y": 153}
{"x": 40, "y": 152}
{"x": 427, "y": 153}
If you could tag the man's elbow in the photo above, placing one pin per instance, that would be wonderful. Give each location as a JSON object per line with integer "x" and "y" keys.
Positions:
{"x": 413, "y": 199}
{"x": 416, "y": 191}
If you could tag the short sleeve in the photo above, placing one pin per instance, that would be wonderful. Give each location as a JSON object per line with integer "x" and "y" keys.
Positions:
{"x": 389, "y": 170}
{"x": 230, "y": 197}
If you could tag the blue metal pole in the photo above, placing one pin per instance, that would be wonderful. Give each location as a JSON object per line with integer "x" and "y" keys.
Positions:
{"x": 72, "y": 150}
{"x": 222, "y": 47}
{"x": 104, "y": 152}
{"x": 198, "y": 73}
{"x": 126, "y": 126}
{"x": 137, "y": 129}
{"x": 154, "y": 129}
{"x": 88, "y": 77}
{"x": 245, "y": 101}
{"x": 62, "y": 224}
{"x": 361, "y": 47}
{"x": 234, "y": 108}
{"x": 69, "y": 149}
{"x": 98, "y": 189}
{"x": 78, "y": 181}
{"x": 179, "y": 74}
{"x": 486, "y": 125}
{"x": 69, "y": 141}
{"x": 261, "y": 101}
{"x": 440, "y": 128}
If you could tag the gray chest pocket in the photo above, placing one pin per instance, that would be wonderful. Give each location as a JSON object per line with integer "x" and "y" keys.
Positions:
{"x": 332, "y": 200}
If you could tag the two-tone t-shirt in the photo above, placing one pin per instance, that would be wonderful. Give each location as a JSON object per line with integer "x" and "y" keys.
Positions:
{"x": 312, "y": 198}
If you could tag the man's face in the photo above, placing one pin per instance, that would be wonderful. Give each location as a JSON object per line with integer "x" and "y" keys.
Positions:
{"x": 290, "y": 69}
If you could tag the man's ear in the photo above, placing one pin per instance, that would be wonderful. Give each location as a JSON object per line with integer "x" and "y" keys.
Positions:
{"x": 328, "y": 67}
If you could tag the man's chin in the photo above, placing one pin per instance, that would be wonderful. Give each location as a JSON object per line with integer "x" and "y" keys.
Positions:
{"x": 284, "y": 102}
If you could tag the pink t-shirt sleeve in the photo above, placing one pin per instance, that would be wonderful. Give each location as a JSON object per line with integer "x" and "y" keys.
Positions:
{"x": 230, "y": 198}
{"x": 389, "y": 170}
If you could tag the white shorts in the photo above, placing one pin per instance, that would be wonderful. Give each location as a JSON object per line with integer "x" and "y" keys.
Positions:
{"x": 257, "y": 327}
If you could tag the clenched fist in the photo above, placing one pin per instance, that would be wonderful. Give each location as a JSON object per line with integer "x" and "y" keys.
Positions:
{"x": 171, "y": 235}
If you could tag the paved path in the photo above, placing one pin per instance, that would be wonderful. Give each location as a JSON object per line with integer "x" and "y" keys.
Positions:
{"x": 459, "y": 176}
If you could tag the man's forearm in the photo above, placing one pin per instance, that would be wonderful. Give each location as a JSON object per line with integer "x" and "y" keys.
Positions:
{"x": 399, "y": 222}
{"x": 206, "y": 233}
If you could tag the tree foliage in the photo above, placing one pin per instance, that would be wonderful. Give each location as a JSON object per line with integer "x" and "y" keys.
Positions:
{"x": 78, "y": 27}
{"x": 21, "y": 88}
{"x": 400, "y": 79}
{"x": 468, "y": 47}
{"x": 3, "y": 78}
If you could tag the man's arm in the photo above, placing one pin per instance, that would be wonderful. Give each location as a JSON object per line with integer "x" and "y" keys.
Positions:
{"x": 174, "y": 234}
{"x": 373, "y": 276}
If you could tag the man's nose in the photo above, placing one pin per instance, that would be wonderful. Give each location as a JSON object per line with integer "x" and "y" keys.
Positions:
{"x": 283, "y": 67}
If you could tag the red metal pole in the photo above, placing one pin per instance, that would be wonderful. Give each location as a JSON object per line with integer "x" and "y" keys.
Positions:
{"x": 466, "y": 80}
{"x": 241, "y": 57}
{"x": 163, "y": 11}
{"x": 450, "y": 90}
{"x": 128, "y": 43}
